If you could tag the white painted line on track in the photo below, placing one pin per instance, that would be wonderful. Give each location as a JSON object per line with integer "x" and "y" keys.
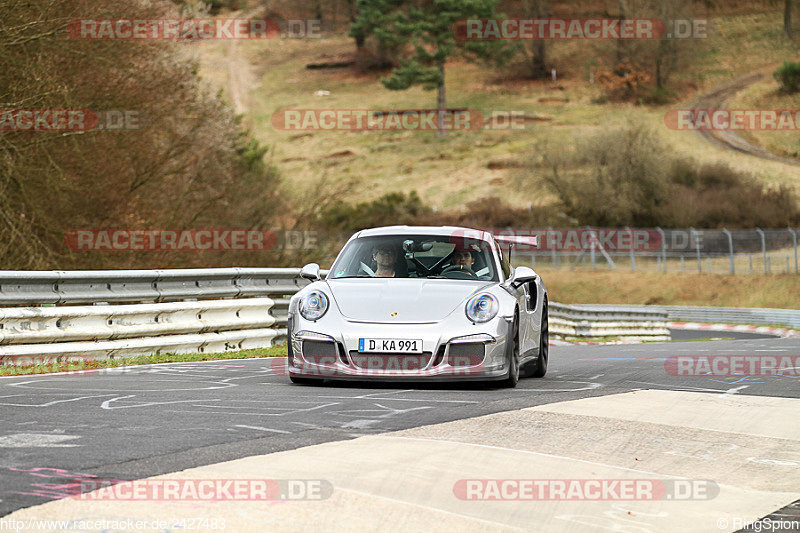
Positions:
{"x": 37, "y": 440}
{"x": 259, "y": 428}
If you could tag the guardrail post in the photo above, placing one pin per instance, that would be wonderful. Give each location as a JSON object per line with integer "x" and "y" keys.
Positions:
{"x": 633, "y": 259}
{"x": 663, "y": 248}
{"x": 730, "y": 247}
{"x": 763, "y": 248}
{"x": 697, "y": 247}
{"x": 794, "y": 240}
{"x": 553, "y": 249}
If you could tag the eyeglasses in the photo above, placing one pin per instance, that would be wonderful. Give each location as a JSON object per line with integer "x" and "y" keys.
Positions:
{"x": 385, "y": 251}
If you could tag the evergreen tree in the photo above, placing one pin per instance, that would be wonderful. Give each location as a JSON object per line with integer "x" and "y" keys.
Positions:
{"x": 426, "y": 30}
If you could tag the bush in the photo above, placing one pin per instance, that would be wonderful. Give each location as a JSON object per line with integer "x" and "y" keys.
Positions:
{"x": 788, "y": 75}
{"x": 625, "y": 181}
{"x": 399, "y": 208}
{"x": 624, "y": 178}
{"x": 389, "y": 209}
{"x": 659, "y": 96}
{"x": 625, "y": 83}
{"x": 492, "y": 212}
{"x": 712, "y": 196}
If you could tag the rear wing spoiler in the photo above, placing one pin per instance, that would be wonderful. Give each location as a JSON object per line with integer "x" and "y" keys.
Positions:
{"x": 526, "y": 240}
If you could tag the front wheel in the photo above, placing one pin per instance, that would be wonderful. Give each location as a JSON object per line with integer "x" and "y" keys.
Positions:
{"x": 544, "y": 345}
{"x": 512, "y": 354}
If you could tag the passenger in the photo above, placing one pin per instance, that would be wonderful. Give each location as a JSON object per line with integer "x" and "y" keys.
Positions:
{"x": 385, "y": 256}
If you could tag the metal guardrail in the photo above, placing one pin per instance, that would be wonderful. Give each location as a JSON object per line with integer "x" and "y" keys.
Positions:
{"x": 608, "y": 321}
{"x": 727, "y": 315}
{"x": 153, "y": 311}
{"x": 211, "y": 310}
{"x": 120, "y": 286}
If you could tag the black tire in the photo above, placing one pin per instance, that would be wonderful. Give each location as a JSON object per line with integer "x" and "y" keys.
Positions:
{"x": 305, "y": 381}
{"x": 544, "y": 345}
{"x": 512, "y": 354}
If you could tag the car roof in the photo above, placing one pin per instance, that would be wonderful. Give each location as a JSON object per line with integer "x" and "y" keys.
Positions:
{"x": 424, "y": 230}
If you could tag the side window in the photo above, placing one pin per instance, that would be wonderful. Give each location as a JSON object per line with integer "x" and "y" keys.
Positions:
{"x": 531, "y": 295}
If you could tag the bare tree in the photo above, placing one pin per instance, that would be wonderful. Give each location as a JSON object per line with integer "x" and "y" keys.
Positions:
{"x": 537, "y": 56}
{"x": 660, "y": 57}
{"x": 187, "y": 165}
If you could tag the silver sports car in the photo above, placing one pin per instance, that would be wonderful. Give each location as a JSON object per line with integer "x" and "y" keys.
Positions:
{"x": 416, "y": 304}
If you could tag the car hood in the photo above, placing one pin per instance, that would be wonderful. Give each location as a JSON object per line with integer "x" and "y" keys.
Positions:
{"x": 401, "y": 300}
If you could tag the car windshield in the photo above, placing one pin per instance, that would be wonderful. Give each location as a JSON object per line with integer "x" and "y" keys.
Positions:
{"x": 416, "y": 256}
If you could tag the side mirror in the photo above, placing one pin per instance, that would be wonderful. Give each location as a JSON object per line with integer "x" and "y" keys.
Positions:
{"x": 311, "y": 272}
{"x": 521, "y": 276}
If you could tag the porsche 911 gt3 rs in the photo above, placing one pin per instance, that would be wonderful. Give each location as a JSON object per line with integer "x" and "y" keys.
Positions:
{"x": 420, "y": 303}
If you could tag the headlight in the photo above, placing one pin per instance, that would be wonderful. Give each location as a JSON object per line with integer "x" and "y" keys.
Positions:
{"x": 313, "y": 305}
{"x": 482, "y": 308}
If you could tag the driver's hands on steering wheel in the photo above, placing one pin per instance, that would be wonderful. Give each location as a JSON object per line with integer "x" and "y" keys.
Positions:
{"x": 460, "y": 268}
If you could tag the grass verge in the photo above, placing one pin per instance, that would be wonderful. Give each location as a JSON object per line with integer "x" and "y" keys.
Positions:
{"x": 716, "y": 290}
{"x": 83, "y": 365}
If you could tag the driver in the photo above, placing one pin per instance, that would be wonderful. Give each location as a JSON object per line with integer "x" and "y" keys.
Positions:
{"x": 463, "y": 258}
{"x": 385, "y": 256}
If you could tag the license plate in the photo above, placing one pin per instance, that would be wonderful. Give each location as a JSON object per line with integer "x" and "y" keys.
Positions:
{"x": 390, "y": 345}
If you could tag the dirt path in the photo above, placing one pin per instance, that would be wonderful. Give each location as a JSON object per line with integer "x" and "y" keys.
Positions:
{"x": 239, "y": 78}
{"x": 730, "y": 140}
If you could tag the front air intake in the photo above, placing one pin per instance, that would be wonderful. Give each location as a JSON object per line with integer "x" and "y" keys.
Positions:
{"x": 320, "y": 352}
{"x": 466, "y": 354}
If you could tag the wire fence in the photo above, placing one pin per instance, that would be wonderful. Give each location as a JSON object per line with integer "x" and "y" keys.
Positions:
{"x": 753, "y": 251}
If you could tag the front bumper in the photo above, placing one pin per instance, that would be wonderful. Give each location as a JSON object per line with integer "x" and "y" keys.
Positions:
{"x": 450, "y": 351}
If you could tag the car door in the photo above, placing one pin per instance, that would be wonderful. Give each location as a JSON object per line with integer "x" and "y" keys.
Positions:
{"x": 528, "y": 326}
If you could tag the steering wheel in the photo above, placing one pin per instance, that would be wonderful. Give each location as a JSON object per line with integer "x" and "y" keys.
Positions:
{"x": 459, "y": 268}
{"x": 364, "y": 268}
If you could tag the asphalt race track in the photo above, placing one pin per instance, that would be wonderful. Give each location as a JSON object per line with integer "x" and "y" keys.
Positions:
{"x": 142, "y": 421}
{"x": 705, "y": 334}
